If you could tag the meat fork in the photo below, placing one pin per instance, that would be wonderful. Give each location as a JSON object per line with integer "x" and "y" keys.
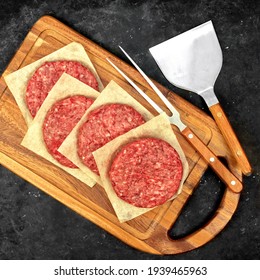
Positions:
{"x": 219, "y": 168}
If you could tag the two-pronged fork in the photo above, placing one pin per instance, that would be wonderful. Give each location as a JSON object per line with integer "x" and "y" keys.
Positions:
{"x": 225, "y": 175}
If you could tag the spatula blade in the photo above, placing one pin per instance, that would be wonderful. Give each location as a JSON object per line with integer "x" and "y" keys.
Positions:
{"x": 191, "y": 60}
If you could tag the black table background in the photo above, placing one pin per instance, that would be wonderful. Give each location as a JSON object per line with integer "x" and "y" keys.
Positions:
{"x": 35, "y": 226}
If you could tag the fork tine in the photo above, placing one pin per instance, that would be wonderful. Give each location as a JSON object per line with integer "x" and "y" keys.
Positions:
{"x": 146, "y": 97}
{"x": 149, "y": 81}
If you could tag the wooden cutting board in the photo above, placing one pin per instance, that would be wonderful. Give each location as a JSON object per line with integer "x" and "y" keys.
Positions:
{"x": 149, "y": 231}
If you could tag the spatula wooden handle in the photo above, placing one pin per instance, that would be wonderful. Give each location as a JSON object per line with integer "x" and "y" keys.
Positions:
{"x": 224, "y": 174}
{"x": 231, "y": 138}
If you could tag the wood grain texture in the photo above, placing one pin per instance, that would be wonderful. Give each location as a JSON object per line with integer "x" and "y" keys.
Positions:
{"x": 148, "y": 232}
{"x": 224, "y": 174}
{"x": 231, "y": 138}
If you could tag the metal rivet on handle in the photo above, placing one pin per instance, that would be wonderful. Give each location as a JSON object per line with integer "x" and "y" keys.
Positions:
{"x": 212, "y": 159}
{"x": 233, "y": 183}
{"x": 190, "y": 135}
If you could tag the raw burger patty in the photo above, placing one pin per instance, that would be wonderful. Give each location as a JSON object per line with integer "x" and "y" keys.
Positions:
{"x": 45, "y": 77}
{"x": 60, "y": 120}
{"x": 104, "y": 124}
{"x": 146, "y": 172}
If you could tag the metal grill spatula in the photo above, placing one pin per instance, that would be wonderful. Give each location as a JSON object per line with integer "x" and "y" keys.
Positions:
{"x": 225, "y": 175}
{"x": 192, "y": 61}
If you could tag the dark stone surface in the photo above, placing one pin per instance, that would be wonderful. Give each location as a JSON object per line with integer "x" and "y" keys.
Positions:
{"x": 35, "y": 226}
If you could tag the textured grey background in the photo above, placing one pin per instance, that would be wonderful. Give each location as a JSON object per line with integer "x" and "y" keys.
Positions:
{"x": 35, "y": 226}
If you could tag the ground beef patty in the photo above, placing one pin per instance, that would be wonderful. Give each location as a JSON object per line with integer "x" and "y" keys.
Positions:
{"x": 104, "y": 124}
{"x": 60, "y": 120}
{"x": 45, "y": 77}
{"x": 146, "y": 173}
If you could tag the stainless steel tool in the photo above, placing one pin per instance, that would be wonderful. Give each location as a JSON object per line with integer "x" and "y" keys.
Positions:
{"x": 192, "y": 61}
{"x": 225, "y": 175}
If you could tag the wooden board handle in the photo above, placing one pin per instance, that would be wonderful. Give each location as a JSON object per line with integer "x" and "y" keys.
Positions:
{"x": 224, "y": 174}
{"x": 231, "y": 138}
{"x": 201, "y": 236}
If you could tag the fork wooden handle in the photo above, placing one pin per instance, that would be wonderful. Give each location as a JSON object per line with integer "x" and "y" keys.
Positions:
{"x": 224, "y": 174}
{"x": 231, "y": 138}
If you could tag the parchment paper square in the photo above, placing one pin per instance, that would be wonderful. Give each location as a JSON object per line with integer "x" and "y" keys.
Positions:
{"x": 17, "y": 81}
{"x": 33, "y": 140}
{"x": 158, "y": 127}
